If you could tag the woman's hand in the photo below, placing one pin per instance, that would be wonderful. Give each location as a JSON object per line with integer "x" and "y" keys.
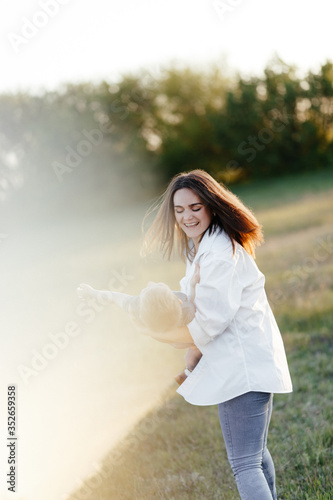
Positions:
{"x": 161, "y": 337}
{"x": 194, "y": 281}
{"x": 196, "y": 276}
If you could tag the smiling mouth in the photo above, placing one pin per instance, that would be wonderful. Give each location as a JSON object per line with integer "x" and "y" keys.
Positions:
{"x": 192, "y": 224}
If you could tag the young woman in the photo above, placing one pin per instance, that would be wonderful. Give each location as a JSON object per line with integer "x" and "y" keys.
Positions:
{"x": 243, "y": 359}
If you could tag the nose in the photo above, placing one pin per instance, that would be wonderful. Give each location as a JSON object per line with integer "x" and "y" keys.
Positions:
{"x": 188, "y": 220}
{"x": 187, "y": 216}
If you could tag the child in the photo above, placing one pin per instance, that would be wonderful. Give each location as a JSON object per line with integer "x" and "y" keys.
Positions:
{"x": 157, "y": 308}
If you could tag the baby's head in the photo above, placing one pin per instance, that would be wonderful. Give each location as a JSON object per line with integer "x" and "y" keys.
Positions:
{"x": 160, "y": 309}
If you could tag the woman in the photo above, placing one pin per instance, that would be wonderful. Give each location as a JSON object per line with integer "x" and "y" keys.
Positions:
{"x": 243, "y": 359}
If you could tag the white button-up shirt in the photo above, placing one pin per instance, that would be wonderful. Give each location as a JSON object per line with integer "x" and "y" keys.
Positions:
{"x": 233, "y": 327}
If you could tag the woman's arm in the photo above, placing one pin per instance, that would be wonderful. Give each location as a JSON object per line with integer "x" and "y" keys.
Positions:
{"x": 177, "y": 337}
{"x": 218, "y": 298}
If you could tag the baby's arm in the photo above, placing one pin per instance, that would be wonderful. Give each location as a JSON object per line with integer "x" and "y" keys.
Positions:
{"x": 129, "y": 303}
{"x": 122, "y": 300}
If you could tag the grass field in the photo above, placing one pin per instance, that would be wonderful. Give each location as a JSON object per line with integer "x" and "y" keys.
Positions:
{"x": 177, "y": 452}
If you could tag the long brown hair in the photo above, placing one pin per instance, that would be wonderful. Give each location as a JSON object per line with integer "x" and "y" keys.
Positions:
{"x": 228, "y": 213}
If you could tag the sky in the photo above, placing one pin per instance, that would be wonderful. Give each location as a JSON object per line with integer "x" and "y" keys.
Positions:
{"x": 47, "y": 42}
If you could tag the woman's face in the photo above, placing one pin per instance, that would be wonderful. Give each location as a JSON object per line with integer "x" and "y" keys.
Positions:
{"x": 192, "y": 216}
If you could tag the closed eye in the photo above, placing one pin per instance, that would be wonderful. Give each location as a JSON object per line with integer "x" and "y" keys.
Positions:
{"x": 179, "y": 211}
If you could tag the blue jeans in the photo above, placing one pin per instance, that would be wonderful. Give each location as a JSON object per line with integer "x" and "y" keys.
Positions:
{"x": 244, "y": 423}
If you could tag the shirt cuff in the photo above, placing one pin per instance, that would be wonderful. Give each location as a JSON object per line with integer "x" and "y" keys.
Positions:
{"x": 199, "y": 336}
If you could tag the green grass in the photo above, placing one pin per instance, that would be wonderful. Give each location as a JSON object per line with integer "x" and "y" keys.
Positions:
{"x": 279, "y": 191}
{"x": 177, "y": 451}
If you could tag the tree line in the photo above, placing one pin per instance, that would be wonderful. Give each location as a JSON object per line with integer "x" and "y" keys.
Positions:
{"x": 146, "y": 127}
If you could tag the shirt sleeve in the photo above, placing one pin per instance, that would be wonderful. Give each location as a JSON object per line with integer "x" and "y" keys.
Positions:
{"x": 218, "y": 298}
